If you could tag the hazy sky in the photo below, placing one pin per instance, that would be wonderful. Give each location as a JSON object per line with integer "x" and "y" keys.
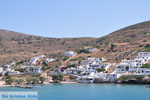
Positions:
{"x": 71, "y": 18}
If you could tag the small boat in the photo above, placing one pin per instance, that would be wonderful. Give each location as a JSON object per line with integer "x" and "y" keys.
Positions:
{"x": 85, "y": 79}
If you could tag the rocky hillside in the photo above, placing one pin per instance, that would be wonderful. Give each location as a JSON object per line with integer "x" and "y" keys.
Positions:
{"x": 126, "y": 42}
{"x": 18, "y": 46}
{"x": 123, "y": 43}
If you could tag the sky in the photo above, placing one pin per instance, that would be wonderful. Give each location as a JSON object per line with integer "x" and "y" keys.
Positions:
{"x": 71, "y": 18}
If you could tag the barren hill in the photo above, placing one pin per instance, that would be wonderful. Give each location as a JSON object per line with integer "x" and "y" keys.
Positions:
{"x": 123, "y": 43}
{"x": 17, "y": 46}
{"x": 126, "y": 42}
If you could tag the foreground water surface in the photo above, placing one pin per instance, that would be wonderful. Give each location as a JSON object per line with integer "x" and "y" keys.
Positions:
{"x": 88, "y": 92}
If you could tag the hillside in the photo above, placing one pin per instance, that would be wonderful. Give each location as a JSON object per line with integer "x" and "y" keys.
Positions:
{"x": 18, "y": 46}
{"x": 126, "y": 42}
{"x": 123, "y": 43}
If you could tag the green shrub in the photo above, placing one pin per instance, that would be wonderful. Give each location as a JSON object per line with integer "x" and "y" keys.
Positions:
{"x": 144, "y": 40}
{"x": 112, "y": 46}
{"x": 147, "y": 47}
{"x": 65, "y": 58}
{"x": 133, "y": 36}
{"x": 32, "y": 80}
{"x": 78, "y": 59}
{"x": 19, "y": 81}
{"x": 146, "y": 66}
{"x": 36, "y": 75}
{"x": 100, "y": 69}
{"x": 80, "y": 51}
{"x": 57, "y": 77}
{"x": 42, "y": 79}
{"x": 129, "y": 77}
{"x": 9, "y": 80}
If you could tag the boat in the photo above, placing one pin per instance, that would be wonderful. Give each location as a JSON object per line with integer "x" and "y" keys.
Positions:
{"x": 85, "y": 79}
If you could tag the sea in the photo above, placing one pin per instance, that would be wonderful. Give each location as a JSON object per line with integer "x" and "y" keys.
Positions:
{"x": 86, "y": 91}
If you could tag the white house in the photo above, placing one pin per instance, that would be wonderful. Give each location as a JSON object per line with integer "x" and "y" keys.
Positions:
{"x": 107, "y": 66}
{"x": 34, "y": 60}
{"x": 70, "y": 53}
{"x": 10, "y": 65}
{"x": 12, "y": 72}
{"x": 90, "y": 49}
{"x": 105, "y": 77}
{"x": 48, "y": 60}
{"x": 34, "y": 69}
{"x": 83, "y": 67}
{"x": 41, "y": 56}
{"x": 144, "y": 70}
{"x": 91, "y": 63}
{"x": 144, "y": 55}
{"x": 133, "y": 65}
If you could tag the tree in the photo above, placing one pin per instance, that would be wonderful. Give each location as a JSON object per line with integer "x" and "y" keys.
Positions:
{"x": 35, "y": 80}
{"x": 29, "y": 80}
{"x": 44, "y": 63}
{"x": 42, "y": 79}
{"x": 80, "y": 51}
{"x": 146, "y": 66}
{"x": 127, "y": 68}
{"x": 100, "y": 69}
{"x": 36, "y": 75}
{"x": 57, "y": 77}
{"x": 20, "y": 81}
{"x": 9, "y": 80}
{"x": 112, "y": 46}
{"x": 32, "y": 80}
{"x": 65, "y": 58}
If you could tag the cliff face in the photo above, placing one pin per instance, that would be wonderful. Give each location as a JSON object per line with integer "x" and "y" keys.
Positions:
{"x": 134, "y": 80}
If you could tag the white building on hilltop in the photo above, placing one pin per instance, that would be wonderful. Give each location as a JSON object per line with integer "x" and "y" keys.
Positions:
{"x": 70, "y": 53}
{"x": 34, "y": 60}
{"x": 48, "y": 60}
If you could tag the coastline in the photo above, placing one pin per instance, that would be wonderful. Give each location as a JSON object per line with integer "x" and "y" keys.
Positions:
{"x": 2, "y": 84}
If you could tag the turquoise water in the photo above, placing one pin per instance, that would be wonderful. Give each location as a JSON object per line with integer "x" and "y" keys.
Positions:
{"x": 88, "y": 92}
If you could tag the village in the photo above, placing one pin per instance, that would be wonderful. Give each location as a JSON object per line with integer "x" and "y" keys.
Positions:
{"x": 88, "y": 70}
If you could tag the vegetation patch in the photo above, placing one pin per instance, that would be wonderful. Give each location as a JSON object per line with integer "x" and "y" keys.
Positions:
{"x": 130, "y": 77}
{"x": 80, "y": 51}
{"x": 133, "y": 36}
{"x": 78, "y": 59}
{"x": 147, "y": 47}
{"x": 57, "y": 77}
{"x": 100, "y": 69}
{"x": 146, "y": 66}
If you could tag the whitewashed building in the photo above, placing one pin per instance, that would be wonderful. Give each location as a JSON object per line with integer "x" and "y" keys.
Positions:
{"x": 70, "y": 53}
{"x": 144, "y": 70}
{"x": 34, "y": 60}
{"x": 90, "y": 49}
{"x": 105, "y": 77}
{"x": 134, "y": 65}
{"x": 48, "y": 60}
{"x": 34, "y": 69}
{"x": 12, "y": 72}
{"x": 144, "y": 55}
